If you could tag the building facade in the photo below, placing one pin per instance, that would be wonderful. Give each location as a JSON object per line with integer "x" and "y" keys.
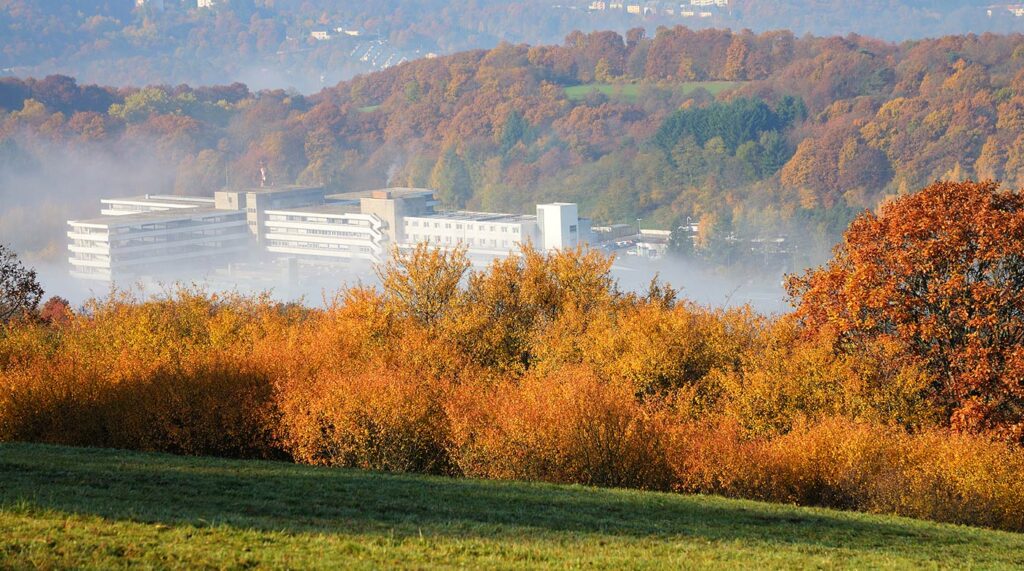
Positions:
{"x": 152, "y": 235}
{"x": 327, "y": 231}
{"x": 129, "y": 245}
{"x": 481, "y": 233}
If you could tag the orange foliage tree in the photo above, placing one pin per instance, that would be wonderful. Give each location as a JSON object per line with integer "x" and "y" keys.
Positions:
{"x": 941, "y": 273}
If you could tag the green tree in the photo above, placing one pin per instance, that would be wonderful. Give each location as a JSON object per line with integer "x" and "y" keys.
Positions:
{"x": 773, "y": 153}
{"x": 688, "y": 158}
{"x": 141, "y": 104}
{"x": 450, "y": 178}
{"x": 514, "y": 129}
{"x": 413, "y": 92}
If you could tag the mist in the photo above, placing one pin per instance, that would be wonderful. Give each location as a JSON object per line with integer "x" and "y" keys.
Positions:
{"x": 50, "y": 183}
{"x": 56, "y": 183}
{"x": 763, "y": 292}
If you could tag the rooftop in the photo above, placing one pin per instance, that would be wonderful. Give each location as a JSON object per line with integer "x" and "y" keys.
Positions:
{"x": 335, "y": 209}
{"x": 383, "y": 193}
{"x": 471, "y": 216}
{"x": 151, "y": 198}
{"x": 148, "y": 217}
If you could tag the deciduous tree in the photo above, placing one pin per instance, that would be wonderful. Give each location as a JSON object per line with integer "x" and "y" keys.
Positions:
{"x": 941, "y": 273}
{"x": 20, "y": 291}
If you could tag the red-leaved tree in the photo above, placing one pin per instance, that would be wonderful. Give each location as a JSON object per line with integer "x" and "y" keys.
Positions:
{"x": 941, "y": 273}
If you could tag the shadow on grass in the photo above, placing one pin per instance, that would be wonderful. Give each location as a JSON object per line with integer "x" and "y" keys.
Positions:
{"x": 284, "y": 497}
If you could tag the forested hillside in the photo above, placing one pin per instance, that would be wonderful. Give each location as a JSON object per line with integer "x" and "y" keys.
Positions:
{"x": 269, "y": 43}
{"x": 752, "y": 135}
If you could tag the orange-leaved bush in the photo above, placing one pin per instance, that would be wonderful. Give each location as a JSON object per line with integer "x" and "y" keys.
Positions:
{"x": 537, "y": 368}
{"x": 565, "y": 426}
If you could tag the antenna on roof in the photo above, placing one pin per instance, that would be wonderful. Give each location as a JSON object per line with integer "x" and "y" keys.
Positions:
{"x": 263, "y": 175}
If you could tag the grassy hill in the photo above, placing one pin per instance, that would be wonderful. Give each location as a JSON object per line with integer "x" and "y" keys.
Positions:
{"x": 87, "y": 508}
{"x": 630, "y": 91}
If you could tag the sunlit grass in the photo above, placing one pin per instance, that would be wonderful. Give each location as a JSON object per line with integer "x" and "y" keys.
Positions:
{"x": 631, "y": 91}
{"x": 87, "y": 508}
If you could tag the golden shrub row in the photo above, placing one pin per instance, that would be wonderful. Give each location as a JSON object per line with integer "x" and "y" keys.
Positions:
{"x": 536, "y": 368}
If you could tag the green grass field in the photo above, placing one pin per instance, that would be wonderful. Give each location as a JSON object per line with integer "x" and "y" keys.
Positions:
{"x": 86, "y": 508}
{"x": 630, "y": 91}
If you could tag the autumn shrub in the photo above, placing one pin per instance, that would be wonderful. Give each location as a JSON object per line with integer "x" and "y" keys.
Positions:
{"x": 211, "y": 407}
{"x": 933, "y": 474}
{"x": 784, "y": 376}
{"x": 660, "y": 348}
{"x": 169, "y": 374}
{"x": 367, "y": 417}
{"x": 568, "y": 426}
{"x": 536, "y": 368}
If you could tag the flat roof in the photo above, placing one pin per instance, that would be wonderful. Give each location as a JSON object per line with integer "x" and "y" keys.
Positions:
{"x": 158, "y": 216}
{"x": 160, "y": 198}
{"x": 470, "y": 216}
{"x": 337, "y": 209}
{"x": 395, "y": 192}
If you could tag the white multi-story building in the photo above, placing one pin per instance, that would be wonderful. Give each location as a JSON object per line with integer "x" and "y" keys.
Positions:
{"x": 556, "y": 226}
{"x": 153, "y": 235}
{"x": 481, "y": 233}
{"x": 328, "y": 231}
{"x": 559, "y": 224}
{"x": 152, "y": 242}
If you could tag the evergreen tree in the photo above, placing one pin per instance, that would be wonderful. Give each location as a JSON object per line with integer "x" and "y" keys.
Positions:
{"x": 773, "y": 153}
{"x": 514, "y": 130}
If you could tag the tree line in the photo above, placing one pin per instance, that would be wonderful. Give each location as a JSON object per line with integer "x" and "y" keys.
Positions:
{"x": 752, "y": 135}
{"x": 895, "y": 386}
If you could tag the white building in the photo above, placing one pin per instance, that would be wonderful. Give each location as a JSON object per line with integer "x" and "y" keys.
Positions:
{"x": 481, "y": 233}
{"x": 652, "y": 243}
{"x": 559, "y": 224}
{"x": 154, "y": 242}
{"x": 151, "y": 235}
{"x": 327, "y": 231}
